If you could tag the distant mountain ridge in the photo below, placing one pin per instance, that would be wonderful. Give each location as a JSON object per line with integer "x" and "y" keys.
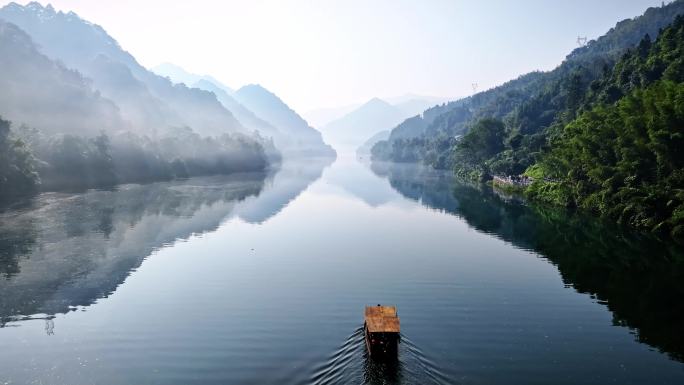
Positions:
{"x": 296, "y": 131}
{"x": 224, "y": 94}
{"x": 319, "y": 117}
{"x": 246, "y": 117}
{"x": 150, "y": 102}
{"x": 85, "y": 47}
{"x": 372, "y": 117}
{"x": 178, "y": 74}
{"x": 35, "y": 89}
{"x": 290, "y": 132}
{"x": 411, "y": 104}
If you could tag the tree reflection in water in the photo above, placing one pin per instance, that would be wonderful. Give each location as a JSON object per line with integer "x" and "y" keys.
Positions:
{"x": 639, "y": 277}
{"x": 66, "y": 250}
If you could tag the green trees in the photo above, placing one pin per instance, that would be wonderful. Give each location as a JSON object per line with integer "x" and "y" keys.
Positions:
{"x": 621, "y": 157}
{"x": 17, "y": 166}
{"x": 31, "y": 159}
{"x": 475, "y": 149}
{"x": 623, "y": 160}
{"x": 70, "y": 161}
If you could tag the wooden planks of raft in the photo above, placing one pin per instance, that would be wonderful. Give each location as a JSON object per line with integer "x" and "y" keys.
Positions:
{"x": 382, "y": 319}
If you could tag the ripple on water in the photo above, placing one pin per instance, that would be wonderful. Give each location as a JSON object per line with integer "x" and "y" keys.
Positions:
{"x": 350, "y": 364}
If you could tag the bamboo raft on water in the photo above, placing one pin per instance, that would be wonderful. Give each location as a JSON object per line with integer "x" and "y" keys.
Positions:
{"x": 381, "y": 330}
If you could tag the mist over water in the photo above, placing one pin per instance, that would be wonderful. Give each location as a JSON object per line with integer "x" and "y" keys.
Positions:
{"x": 261, "y": 278}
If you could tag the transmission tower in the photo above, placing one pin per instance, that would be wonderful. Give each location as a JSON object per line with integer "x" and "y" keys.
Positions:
{"x": 581, "y": 41}
{"x": 474, "y": 85}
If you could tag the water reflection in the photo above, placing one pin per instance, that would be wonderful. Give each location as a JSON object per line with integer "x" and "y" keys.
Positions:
{"x": 638, "y": 277}
{"x": 291, "y": 179}
{"x": 64, "y": 251}
{"x": 50, "y": 326}
{"x": 382, "y": 371}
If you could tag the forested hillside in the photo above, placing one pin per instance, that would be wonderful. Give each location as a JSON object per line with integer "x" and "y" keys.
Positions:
{"x": 528, "y": 105}
{"x": 58, "y": 131}
{"x": 40, "y": 92}
{"x": 147, "y": 100}
{"x": 295, "y": 132}
{"x": 600, "y": 132}
{"x": 622, "y": 155}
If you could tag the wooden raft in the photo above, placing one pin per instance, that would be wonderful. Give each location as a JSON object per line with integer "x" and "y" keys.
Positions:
{"x": 381, "y": 330}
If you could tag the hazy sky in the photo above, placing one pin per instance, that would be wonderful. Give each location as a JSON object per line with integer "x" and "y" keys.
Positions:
{"x": 335, "y": 52}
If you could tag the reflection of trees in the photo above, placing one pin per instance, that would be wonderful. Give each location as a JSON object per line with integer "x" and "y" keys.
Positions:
{"x": 639, "y": 278}
{"x": 17, "y": 239}
{"x": 286, "y": 185}
{"x": 68, "y": 250}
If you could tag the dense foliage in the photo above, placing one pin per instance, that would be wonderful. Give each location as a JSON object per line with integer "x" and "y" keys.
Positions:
{"x": 473, "y": 151}
{"x": 609, "y": 144}
{"x": 17, "y": 166}
{"x": 614, "y": 149}
{"x": 31, "y": 159}
{"x": 621, "y": 157}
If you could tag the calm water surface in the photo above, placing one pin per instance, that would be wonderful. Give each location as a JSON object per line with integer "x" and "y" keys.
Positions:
{"x": 262, "y": 279}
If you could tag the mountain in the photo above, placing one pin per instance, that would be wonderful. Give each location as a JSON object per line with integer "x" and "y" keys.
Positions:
{"x": 179, "y": 75}
{"x": 69, "y": 131}
{"x": 147, "y": 113}
{"x": 433, "y": 140}
{"x": 296, "y": 132}
{"x": 365, "y": 148}
{"x": 409, "y": 104}
{"x": 284, "y": 138}
{"x": 89, "y": 49}
{"x": 430, "y": 100}
{"x": 320, "y": 117}
{"x": 413, "y": 107}
{"x": 370, "y": 118}
{"x": 41, "y": 93}
{"x": 246, "y": 117}
{"x": 355, "y": 127}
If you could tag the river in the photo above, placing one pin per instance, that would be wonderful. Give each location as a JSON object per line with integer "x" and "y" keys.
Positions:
{"x": 262, "y": 278}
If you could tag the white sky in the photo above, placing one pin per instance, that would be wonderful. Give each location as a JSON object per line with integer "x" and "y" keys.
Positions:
{"x": 338, "y": 52}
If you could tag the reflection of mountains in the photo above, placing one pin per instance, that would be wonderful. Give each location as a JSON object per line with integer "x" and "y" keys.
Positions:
{"x": 292, "y": 178}
{"x": 68, "y": 250}
{"x": 639, "y": 278}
